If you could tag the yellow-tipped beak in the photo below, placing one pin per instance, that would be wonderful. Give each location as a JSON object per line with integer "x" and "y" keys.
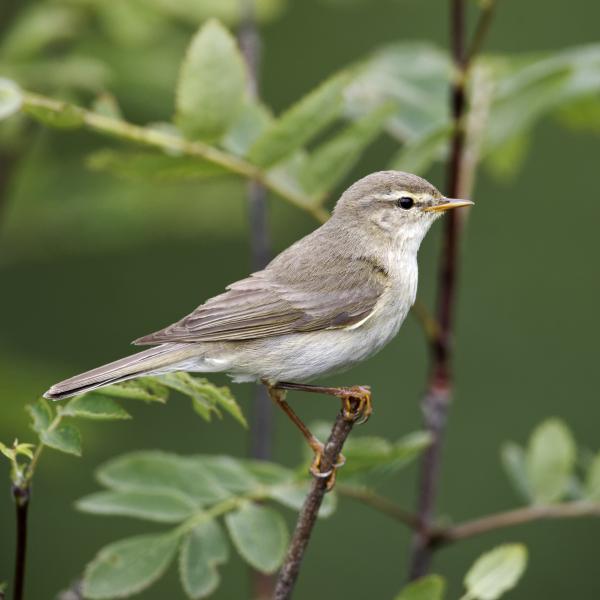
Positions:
{"x": 449, "y": 203}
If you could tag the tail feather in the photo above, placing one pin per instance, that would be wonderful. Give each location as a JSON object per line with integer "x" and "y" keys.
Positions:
{"x": 163, "y": 358}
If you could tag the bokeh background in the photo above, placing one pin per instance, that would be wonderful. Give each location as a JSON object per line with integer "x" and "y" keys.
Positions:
{"x": 89, "y": 262}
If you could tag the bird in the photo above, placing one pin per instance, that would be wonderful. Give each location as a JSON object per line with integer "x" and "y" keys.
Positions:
{"x": 329, "y": 301}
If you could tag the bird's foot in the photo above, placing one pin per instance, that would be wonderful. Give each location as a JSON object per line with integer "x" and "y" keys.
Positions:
{"x": 315, "y": 468}
{"x": 357, "y": 405}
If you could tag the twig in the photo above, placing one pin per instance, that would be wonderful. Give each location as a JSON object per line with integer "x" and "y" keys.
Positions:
{"x": 436, "y": 402}
{"x": 288, "y": 575}
{"x": 481, "y": 29}
{"x": 378, "y": 503}
{"x": 21, "y": 497}
{"x": 168, "y": 142}
{"x": 510, "y": 518}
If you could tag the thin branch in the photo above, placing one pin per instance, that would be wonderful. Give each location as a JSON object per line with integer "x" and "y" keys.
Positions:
{"x": 288, "y": 575}
{"x": 437, "y": 399}
{"x": 165, "y": 141}
{"x": 511, "y": 518}
{"x": 21, "y": 497}
{"x": 379, "y": 503}
{"x": 481, "y": 29}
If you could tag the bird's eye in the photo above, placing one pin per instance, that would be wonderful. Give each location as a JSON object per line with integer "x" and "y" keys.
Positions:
{"x": 405, "y": 202}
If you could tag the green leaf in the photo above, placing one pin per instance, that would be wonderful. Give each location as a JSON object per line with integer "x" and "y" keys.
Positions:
{"x": 259, "y": 535}
{"x": 592, "y": 484}
{"x": 154, "y": 471}
{"x": 581, "y": 115}
{"x": 430, "y": 587}
{"x": 294, "y": 494}
{"x": 212, "y": 84}
{"x": 41, "y": 414}
{"x": 10, "y": 98}
{"x": 419, "y": 153}
{"x": 249, "y": 125}
{"x": 65, "y": 438}
{"x": 496, "y": 572}
{"x": 364, "y": 454}
{"x": 147, "y": 389}
{"x": 269, "y": 473}
{"x": 147, "y": 166}
{"x": 94, "y": 406}
{"x": 550, "y": 461}
{"x": 159, "y": 506}
{"x": 512, "y": 457}
{"x": 300, "y": 123}
{"x": 203, "y": 550}
{"x": 413, "y": 75}
{"x": 129, "y": 566}
{"x": 332, "y": 161}
{"x": 66, "y": 117}
{"x": 8, "y": 452}
{"x": 230, "y": 472}
{"x": 207, "y": 397}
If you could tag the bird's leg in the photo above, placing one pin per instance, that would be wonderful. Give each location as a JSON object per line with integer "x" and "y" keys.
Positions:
{"x": 278, "y": 396}
{"x": 357, "y": 405}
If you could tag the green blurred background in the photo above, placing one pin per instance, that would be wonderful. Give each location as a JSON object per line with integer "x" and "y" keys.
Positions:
{"x": 90, "y": 262}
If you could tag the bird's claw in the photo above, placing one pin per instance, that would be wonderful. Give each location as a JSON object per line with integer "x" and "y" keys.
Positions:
{"x": 315, "y": 467}
{"x": 357, "y": 405}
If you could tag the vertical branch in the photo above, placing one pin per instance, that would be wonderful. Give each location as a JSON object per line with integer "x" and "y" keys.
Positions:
{"x": 262, "y": 424}
{"x": 436, "y": 402}
{"x": 288, "y": 574}
{"x": 21, "y": 498}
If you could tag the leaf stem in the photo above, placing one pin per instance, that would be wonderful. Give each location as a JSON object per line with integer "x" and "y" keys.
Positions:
{"x": 288, "y": 575}
{"x": 168, "y": 142}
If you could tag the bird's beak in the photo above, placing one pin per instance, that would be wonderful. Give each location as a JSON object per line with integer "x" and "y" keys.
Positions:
{"x": 449, "y": 203}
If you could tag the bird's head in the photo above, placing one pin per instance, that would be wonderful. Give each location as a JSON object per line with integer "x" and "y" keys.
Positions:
{"x": 399, "y": 204}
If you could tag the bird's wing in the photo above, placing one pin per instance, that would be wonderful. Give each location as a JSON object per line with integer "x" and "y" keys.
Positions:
{"x": 265, "y": 305}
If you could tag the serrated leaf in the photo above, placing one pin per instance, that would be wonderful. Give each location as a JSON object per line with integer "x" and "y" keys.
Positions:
{"x": 496, "y": 572}
{"x": 129, "y": 566}
{"x": 65, "y": 438}
{"x": 550, "y": 460}
{"x": 419, "y": 153}
{"x": 94, "y": 406}
{"x": 260, "y": 535}
{"x": 331, "y": 161}
{"x": 203, "y": 549}
{"x": 512, "y": 457}
{"x": 592, "y": 483}
{"x": 155, "y": 471}
{"x": 147, "y": 389}
{"x": 300, "y": 123}
{"x": 364, "y": 454}
{"x": 430, "y": 587}
{"x": 10, "y": 98}
{"x": 230, "y": 472}
{"x": 41, "y": 414}
{"x": 159, "y": 506}
{"x": 251, "y": 122}
{"x": 294, "y": 494}
{"x": 152, "y": 166}
{"x": 211, "y": 85}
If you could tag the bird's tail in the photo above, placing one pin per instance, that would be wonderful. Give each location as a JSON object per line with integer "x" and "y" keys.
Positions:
{"x": 161, "y": 359}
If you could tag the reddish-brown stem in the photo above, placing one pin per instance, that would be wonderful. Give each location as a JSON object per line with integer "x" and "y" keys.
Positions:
{"x": 437, "y": 398}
